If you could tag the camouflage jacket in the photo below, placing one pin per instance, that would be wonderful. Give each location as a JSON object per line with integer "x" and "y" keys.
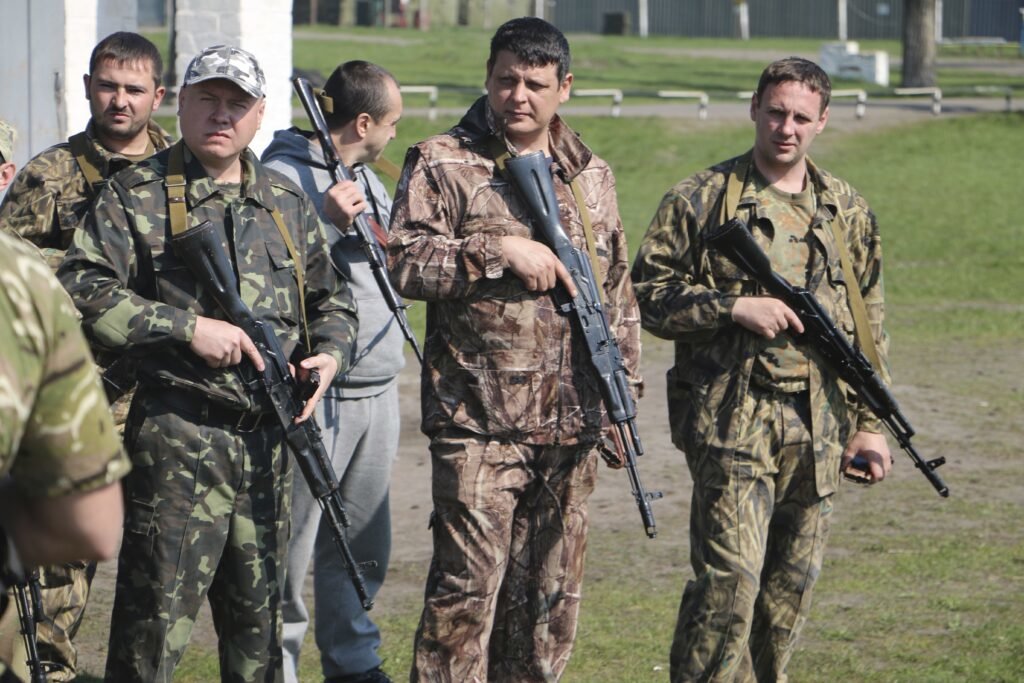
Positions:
{"x": 50, "y": 195}
{"x": 501, "y": 360}
{"x": 56, "y": 433}
{"x": 686, "y": 293}
{"x": 136, "y": 295}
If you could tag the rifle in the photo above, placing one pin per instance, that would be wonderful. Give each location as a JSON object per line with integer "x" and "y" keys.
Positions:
{"x": 531, "y": 175}
{"x": 734, "y": 240}
{"x": 200, "y": 248}
{"x": 30, "y": 611}
{"x": 371, "y": 248}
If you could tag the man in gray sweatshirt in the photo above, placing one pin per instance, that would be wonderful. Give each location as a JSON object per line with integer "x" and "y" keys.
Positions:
{"x": 359, "y": 413}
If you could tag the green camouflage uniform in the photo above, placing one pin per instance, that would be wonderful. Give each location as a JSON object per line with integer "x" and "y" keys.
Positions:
{"x": 45, "y": 204}
{"x": 207, "y": 502}
{"x": 509, "y": 401}
{"x": 764, "y": 457}
{"x": 56, "y": 435}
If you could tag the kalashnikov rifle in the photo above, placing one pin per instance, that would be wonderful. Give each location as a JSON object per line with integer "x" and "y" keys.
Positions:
{"x": 531, "y": 175}
{"x": 30, "y": 611}
{"x": 733, "y": 239}
{"x": 371, "y": 248}
{"x": 200, "y": 249}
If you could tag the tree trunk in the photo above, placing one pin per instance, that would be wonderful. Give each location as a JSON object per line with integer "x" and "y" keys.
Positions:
{"x": 918, "y": 43}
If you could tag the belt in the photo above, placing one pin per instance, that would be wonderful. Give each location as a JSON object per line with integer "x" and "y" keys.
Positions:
{"x": 205, "y": 411}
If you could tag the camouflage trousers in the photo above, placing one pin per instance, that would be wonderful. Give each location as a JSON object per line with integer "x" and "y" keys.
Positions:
{"x": 757, "y": 534}
{"x": 206, "y": 516}
{"x": 503, "y": 591}
{"x": 64, "y": 590}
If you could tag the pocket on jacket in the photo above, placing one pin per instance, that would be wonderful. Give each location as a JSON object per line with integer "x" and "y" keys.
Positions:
{"x": 504, "y": 386}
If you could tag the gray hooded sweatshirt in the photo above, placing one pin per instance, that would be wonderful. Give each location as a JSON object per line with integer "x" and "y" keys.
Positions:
{"x": 378, "y": 352}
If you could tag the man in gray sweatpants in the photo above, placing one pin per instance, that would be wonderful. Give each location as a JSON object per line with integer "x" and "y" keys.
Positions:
{"x": 359, "y": 413}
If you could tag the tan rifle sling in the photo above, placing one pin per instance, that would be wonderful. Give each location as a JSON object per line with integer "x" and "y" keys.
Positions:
{"x": 80, "y": 144}
{"x": 178, "y": 210}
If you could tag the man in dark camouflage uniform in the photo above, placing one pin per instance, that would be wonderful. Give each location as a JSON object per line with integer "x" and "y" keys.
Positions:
{"x": 207, "y": 501}
{"x": 509, "y": 401}
{"x": 45, "y": 205}
{"x": 765, "y": 427}
{"x": 60, "y": 456}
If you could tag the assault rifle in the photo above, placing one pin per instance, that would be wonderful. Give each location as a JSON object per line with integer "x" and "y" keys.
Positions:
{"x": 30, "y": 611}
{"x": 530, "y": 173}
{"x": 371, "y": 248}
{"x": 200, "y": 248}
{"x": 734, "y": 240}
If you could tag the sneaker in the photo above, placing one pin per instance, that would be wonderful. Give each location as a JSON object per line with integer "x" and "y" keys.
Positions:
{"x": 375, "y": 675}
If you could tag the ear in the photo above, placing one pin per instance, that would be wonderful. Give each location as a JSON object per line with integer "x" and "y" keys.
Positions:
{"x": 565, "y": 89}
{"x": 362, "y": 124}
{"x": 260, "y": 111}
{"x": 7, "y": 170}
{"x": 86, "y": 79}
{"x": 753, "y": 107}
{"x": 158, "y": 96}
{"x": 822, "y": 121}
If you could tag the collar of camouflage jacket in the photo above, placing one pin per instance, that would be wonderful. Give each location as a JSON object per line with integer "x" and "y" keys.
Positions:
{"x": 825, "y": 197}
{"x": 569, "y": 152}
{"x": 159, "y": 138}
{"x": 256, "y": 184}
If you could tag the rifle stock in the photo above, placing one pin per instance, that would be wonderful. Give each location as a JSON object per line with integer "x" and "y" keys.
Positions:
{"x": 735, "y": 241}
{"x": 340, "y": 172}
{"x": 530, "y": 174}
{"x": 200, "y": 249}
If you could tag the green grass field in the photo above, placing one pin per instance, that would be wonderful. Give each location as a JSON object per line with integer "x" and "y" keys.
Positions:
{"x": 914, "y": 588}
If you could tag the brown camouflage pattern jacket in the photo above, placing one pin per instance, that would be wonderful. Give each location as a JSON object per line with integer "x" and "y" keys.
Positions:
{"x": 686, "y": 292}
{"x": 49, "y": 197}
{"x": 500, "y": 360}
{"x": 136, "y": 295}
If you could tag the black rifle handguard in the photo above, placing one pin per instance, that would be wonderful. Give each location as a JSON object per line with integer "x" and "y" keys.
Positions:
{"x": 734, "y": 240}
{"x": 531, "y": 175}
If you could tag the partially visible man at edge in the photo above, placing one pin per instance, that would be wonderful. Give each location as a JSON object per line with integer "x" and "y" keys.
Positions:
{"x": 207, "y": 501}
{"x": 766, "y": 427}
{"x": 510, "y": 403}
{"x": 45, "y": 205}
{"x": 60, "y": 457}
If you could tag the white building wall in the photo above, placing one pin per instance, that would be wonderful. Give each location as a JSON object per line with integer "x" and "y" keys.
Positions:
{"x": 263, "y": 27}
{"x": 47, "y": 44}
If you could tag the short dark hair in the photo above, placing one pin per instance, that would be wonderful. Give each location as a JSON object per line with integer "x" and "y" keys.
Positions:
{"x": 357, "y": 87}
{"x": 534, "y": 42}
{"x": 125, "y": 47}
{"x": 799, "y": 70}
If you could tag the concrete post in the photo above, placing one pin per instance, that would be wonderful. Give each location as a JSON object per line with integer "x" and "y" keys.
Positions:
{"x": 266, "y": 32}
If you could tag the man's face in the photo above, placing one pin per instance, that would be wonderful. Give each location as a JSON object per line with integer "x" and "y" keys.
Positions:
{"x": 122, "y": 97}
{"x": 218, "y": 120}
{"x": 380, "y": 133}
{"x": 525, "y": 97}
{"x": 787, "y": 117}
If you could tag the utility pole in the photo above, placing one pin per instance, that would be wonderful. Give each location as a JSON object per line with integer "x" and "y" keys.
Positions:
{"x": 642, "y": 19}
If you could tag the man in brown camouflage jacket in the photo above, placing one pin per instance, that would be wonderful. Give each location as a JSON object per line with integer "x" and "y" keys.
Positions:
{"x": 766, "y": 429}
{"x": 208, "y": 497}
{"x": 509, "y": 401}
{"x": 45, "y": 205}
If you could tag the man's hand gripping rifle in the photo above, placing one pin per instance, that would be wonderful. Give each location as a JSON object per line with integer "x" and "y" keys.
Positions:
{"x": 531, "y": 175}
{"x": 340, "y": 172}
{"x": 201, "y": 250}
{"x": 734, "y": 240}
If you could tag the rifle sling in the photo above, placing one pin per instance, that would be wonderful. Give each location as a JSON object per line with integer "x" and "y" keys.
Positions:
{"x": 862, "y": 328}
{"x": 500, "y": 154}
{"x": 178, "y": 210}
{"x": 79, "y": 143}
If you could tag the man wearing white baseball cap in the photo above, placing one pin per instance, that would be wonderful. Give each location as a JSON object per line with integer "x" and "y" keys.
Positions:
{"x": 207, "y": 505}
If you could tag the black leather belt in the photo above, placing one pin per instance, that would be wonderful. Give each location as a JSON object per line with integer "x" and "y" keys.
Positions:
{"x": 205, "y": 411}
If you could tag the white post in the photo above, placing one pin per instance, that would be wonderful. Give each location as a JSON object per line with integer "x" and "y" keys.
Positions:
{"x": 538, "y": 8}
{"x": 743, "y": 16}
{"x": 265, "y": 31}
{"x": 938, "y": 21}
{"x": 841, "y": 16}
{"x": 642, "y": 19}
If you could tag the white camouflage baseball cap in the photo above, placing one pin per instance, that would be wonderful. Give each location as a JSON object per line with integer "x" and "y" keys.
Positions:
{"x": 231, "y": 63}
